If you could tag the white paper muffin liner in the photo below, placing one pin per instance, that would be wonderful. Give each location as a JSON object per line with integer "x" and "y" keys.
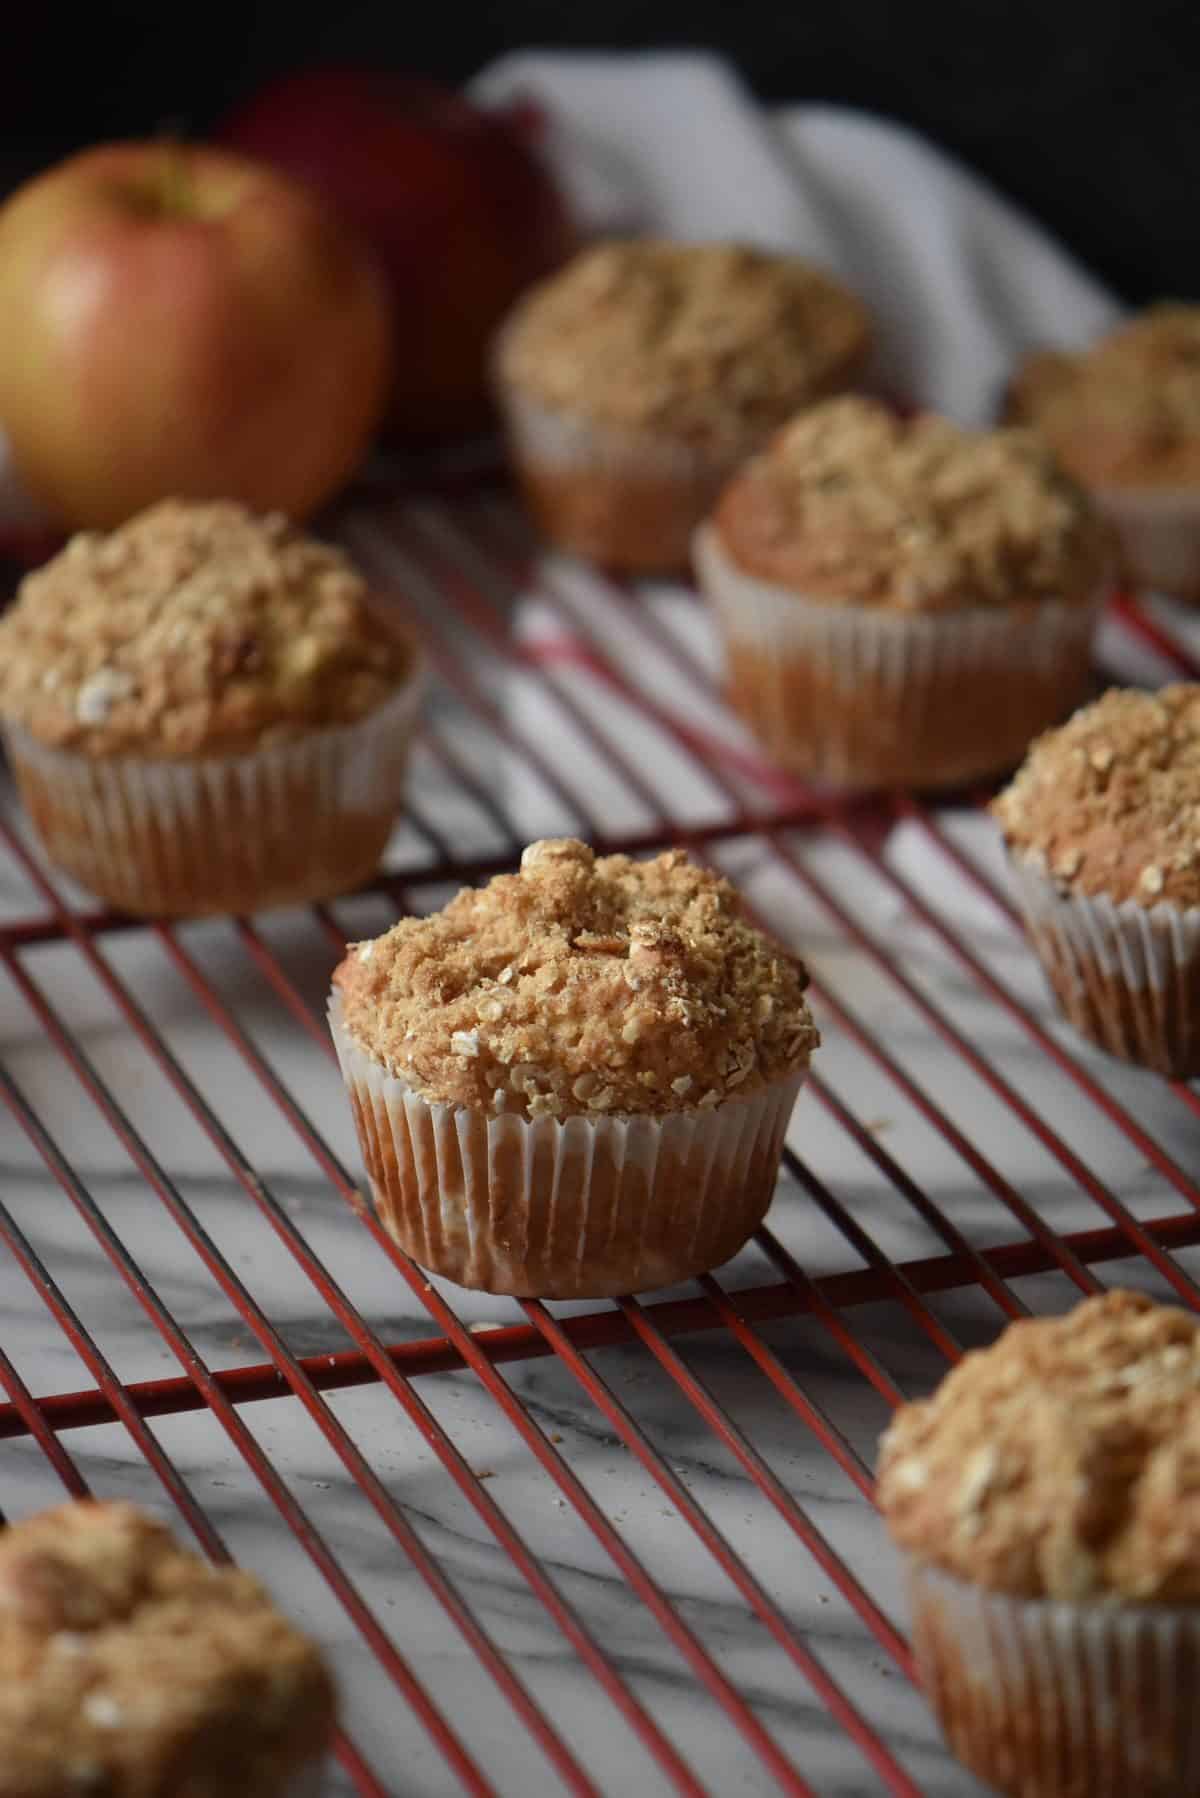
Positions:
{"x": 863, "y": 696}
{"x": 1158, "y": 530}
{"x": 284, "y": 823}
{"x": 629, "y": 499}
{"x": 567, "y": 440}
{"x": 1046, "y": 1698}
{"x": 583, "y": 1207}
{"x": 1126, "y": 975}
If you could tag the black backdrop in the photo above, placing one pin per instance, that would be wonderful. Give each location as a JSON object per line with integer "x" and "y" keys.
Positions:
{"x": 1085, "y": 110}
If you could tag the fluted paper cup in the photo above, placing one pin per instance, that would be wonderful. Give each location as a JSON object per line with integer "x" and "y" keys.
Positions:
{"x": 1045, "y": 1698}
{"x": 1158, "y": 533}
{"x": 629, "y": 500}
{"x": 1127, "y": 976}
{"x": 582, "y": 1207}
{"x": 279, "y": 825}
{"x": 862, "y": 696}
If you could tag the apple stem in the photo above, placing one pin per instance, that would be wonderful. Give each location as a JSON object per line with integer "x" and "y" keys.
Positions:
{"x": 176, "y": 186}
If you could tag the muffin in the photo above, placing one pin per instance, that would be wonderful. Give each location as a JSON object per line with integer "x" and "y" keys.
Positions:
{"x": 204, "y": 714}
{"x": 634, "y": 382}
{"x": 1102, "y": 826}
{"x": 901, "y": 602}
{"x": 1047, "y": 1498}
{"x": 575, "y": 1081}
{"x": 132, "y": 1669}
{"x": 1124, "y": 417}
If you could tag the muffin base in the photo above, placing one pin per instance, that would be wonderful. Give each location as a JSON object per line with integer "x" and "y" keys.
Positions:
{"x": 1126, "y": 976}
{"x": 627, "y": 500}
{"x": 280, "y": 825}
{"x": 1048, "y": 1699}
{"x": 866, "y": 698}
{"x": 585, "y": 1207}
{"x": 1158, "y": 535}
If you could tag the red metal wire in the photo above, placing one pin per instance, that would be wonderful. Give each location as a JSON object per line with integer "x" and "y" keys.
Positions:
{"x": 579, "y": 1636}
{"x": 461, "y": 572}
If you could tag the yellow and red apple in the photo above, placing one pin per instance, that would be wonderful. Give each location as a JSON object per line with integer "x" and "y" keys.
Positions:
{"x": 179, "y": 319}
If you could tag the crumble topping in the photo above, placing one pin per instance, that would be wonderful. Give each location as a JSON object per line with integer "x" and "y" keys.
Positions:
{"x": 1062, "y": 1462}
{"x": 1127, "y": 411}
{"x": 132, "y": 1669}
{"x": 850, "y": 502}
{"x": 196, "y": 628}
{"x": 1110, "y": 802}
{"x": 581, "y": 986}
{"x": 705, "y": 341}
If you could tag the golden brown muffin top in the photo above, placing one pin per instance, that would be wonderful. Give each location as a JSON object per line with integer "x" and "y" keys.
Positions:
{"x": 133, "y": 1669}
{"x": 581, "y": 986}
{"x": 1110, "y": 801}
{"x": 1125, "y": 413}
{"x": 705, "y": 342}
{"x": 195, "y": 629}
{"x": 1062, "y": 1462}
{"x": 850, "y": 502}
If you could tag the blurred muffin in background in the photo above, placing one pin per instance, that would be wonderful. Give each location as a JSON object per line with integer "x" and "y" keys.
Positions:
{"x": 902, "y": 602}
{"x": 133, "y": 1669}
{"x": 1102, "y": 826}
{"x": 204, "y": 713}
{"x": 1124, "y": 417}
{"x": 633, "y": 383}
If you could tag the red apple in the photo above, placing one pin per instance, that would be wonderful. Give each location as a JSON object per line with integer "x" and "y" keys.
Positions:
{"x": 176, "y": 319}
{"x": 456, "y": 204}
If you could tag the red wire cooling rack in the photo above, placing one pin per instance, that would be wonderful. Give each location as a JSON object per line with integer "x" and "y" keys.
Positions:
{"x": 959, "y": 1160}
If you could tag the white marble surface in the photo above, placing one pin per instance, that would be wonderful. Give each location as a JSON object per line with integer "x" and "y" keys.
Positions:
{"x": 378, "y": 1719}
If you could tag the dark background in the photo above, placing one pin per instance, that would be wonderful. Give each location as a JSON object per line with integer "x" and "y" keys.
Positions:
{"x": 1086, "y": 111}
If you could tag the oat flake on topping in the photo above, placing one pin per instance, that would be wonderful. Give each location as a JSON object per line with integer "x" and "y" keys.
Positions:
{"x": 1064, "y": 1461}
{"x": 196, "y": 628}
{"x": 1110, "y": 802}
{"x": 1125, "y": 413}
{"x": 703, "y": 341}
{"x": 117, "y": 1648}
{"x": 579, "y": 986}
{"x": 852, "y": 503}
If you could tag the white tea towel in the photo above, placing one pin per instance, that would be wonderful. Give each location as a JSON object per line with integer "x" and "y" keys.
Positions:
{"x": 959, "y": 280}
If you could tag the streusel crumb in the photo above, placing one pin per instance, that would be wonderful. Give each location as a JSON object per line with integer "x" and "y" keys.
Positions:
{"x": 197, "y": 628}
{"x": 1064, "y": 1461}
{"x": 1110, "y": 802}
{"x": 132, "y": 1669}
{"x": 581, "y": 986}
{"x": 703, "y": 341}
{"x": 852, "y": 503}
{"x": 1125, "y": 413}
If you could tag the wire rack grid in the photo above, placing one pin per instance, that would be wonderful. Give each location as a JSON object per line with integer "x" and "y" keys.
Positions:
{"x": 625, "y": 1545}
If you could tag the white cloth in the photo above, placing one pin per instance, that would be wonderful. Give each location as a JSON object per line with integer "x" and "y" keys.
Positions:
{"x": 958, "y": 280}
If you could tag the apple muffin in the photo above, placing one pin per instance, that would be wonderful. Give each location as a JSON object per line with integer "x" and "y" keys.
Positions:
{"x": 1102, "y": 827}
{"x": 575, "y": 1081}
{"x": 133, "y": 1669}
{"x": 1124, "y": 417}
{"x": 1047, "y": 1502}
{"x": 634, "y": 382}
{"x": 901, "y": 602}
{"x": 204, "y": 713}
